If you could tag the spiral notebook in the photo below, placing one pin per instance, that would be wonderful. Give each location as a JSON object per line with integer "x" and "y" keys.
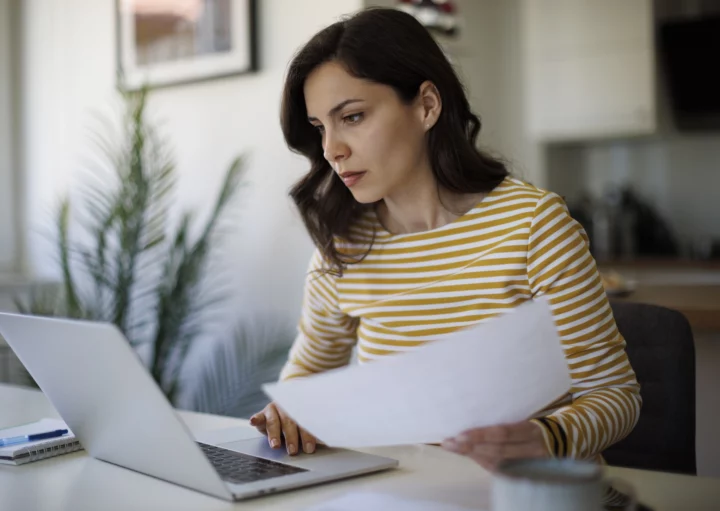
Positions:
{"x": 33, "y": 451}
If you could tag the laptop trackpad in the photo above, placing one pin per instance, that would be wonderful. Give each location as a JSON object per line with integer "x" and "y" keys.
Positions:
{"x": 259, "y": 447}
{"x": 227, "y": 435}
{"x": 256, "y": 447}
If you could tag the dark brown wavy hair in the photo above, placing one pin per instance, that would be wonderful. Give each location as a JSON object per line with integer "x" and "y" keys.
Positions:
{"x": 390, "y": 47}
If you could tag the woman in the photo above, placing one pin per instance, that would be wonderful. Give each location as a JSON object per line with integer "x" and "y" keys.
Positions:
{"x": 419, "y": 234}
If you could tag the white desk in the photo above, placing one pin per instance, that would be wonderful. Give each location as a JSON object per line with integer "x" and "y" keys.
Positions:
{"x": 76, "y": 482}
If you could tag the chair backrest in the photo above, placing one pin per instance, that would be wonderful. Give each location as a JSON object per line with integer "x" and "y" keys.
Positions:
{"x": 661, "y": 349}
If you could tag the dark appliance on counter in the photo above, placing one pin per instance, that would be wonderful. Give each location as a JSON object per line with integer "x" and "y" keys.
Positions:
{"x": 621, "y": 225}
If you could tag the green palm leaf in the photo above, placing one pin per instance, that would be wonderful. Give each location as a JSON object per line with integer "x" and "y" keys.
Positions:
{"x": 134, "y": 273}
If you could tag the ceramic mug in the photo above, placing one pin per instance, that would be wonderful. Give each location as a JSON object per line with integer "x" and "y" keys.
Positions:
{"x": 548, "y": 484}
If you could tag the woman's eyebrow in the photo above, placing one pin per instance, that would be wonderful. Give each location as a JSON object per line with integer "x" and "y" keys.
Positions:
{"x": 337, "y": 108}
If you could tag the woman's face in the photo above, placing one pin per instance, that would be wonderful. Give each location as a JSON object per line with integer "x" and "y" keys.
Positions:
{"x": 374, "y": 141}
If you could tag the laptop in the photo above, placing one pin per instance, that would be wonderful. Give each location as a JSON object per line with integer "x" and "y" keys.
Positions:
{"x": 102, "y": 390}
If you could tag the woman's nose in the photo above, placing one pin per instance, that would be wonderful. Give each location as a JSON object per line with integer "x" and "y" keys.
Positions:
{"x": 335, "y": 149}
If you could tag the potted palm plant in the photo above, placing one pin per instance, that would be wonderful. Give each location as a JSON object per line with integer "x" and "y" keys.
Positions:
{"x": 130, "y": 268}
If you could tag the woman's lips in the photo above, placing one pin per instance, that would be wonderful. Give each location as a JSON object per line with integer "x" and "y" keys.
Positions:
{"x": 351, "y": 178}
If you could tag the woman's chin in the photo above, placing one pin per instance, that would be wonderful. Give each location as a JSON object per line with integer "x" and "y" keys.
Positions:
{"x": 365, "y": 196}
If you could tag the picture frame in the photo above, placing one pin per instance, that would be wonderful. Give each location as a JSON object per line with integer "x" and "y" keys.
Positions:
{"x": 162, "y": 43}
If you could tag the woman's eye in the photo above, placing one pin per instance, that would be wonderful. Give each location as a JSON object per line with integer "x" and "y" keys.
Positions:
{"x": 320, "y": 129}
{"x": 353, "y": 118}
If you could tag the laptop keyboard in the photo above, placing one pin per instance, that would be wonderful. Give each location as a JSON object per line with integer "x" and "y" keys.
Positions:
{"x": 238, "y": 468}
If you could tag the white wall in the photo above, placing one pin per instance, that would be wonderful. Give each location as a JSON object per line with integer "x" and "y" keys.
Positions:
{"x": 8, "y": 241}
{"x": 68, "y": 53}
{"x": 488, "y": 55}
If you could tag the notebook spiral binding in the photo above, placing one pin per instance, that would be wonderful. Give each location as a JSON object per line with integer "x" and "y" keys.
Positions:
{"x": 42, "y": 451}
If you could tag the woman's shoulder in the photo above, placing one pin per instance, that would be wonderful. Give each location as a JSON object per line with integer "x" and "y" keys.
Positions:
{"x": 512, "y": 185}
{"x": 513, "y": 189}
{"x": 519, "y": 195}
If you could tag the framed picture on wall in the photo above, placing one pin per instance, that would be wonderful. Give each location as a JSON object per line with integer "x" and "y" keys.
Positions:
{"x": 169, "y": 42}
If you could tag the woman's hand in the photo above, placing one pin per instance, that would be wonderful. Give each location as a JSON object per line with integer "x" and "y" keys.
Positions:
{"x": 274, "y": 422}
{"x": 492, "y": 445}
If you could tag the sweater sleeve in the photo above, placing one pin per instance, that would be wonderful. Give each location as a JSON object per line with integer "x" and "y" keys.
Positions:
{"x": 605, "y": 394}
{"x": 326, "y": 336}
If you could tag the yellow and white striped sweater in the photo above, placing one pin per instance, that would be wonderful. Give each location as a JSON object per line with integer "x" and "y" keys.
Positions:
{"x": 518, "y": 243}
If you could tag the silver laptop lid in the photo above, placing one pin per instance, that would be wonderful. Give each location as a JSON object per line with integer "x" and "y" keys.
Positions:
{"x": 102, "y": 390}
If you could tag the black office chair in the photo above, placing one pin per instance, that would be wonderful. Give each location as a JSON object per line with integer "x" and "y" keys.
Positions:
{"x": 661, "y": 349}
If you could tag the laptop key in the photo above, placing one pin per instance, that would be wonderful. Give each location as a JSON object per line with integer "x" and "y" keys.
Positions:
{"x": 238, "y": 468}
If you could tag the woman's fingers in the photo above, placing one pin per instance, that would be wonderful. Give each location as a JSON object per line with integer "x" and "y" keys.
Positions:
{"x": 490, "y": 446}
{"x": 290, "y": 431}
{"x": 308, "y": 441}
{"x": 502, "y": 434}
{"x": 273, "y": 426}
{"x": 506, "y": 451}
{"x": 276, "y": 424}
{"x": 258, "y": 422}
{"x": 489, "y": 455}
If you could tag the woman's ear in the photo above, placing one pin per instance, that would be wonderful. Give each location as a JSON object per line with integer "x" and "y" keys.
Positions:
{"x": 430, "y": 104}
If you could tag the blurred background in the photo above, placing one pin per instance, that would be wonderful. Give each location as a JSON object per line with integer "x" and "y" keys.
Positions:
{"x": 614, "y": 104}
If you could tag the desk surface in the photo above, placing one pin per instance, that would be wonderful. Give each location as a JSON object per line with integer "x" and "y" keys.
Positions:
{"x": 77, "y": 482}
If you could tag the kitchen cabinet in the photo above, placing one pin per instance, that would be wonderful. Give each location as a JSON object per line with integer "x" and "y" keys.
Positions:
{"x": 589, "y": 68}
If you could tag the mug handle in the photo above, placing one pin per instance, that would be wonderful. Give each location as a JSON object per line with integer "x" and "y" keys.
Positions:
{"x": 619, "y": 495}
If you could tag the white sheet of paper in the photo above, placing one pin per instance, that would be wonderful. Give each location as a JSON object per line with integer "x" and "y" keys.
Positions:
{"x": 363, "y": 501}
{"x": 501, "y": 371}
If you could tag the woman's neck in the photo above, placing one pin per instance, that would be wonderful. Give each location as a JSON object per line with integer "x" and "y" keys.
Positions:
{"x": 423, "y": 206}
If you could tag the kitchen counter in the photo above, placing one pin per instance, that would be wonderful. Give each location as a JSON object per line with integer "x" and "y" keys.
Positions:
{"x": 690, "y": 287}
{"x": 663, "y": 263}
{"x": 699, "y": 303}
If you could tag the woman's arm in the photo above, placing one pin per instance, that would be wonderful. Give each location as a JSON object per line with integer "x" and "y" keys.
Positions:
{"x": 605, "y": 394}
{"x": 326, "y": 336}
{"x": 325, "y": 341}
